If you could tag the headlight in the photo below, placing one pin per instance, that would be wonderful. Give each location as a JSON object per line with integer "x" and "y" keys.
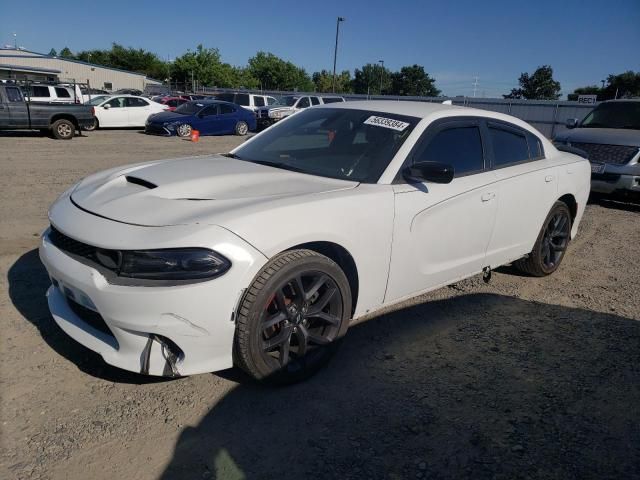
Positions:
{"x": 172, "y": 264}
{"x": 170, "y": 125}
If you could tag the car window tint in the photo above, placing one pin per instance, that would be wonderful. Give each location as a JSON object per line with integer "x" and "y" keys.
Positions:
{"x": 39, "y": 91}
{"x": 117, "y": 102}
{"x": 62, "y": 92}
{"x": 535, "y": 146}
{"x": 209, "y": 111}
{"x": 303, "y": 103}
{"x": 458, "y": 146}
{"x": 242, "y": 99}
{"x": 258, "y": 101}
{"x": 332, "y": 100}
{"x": 226, "y": 109}
{"x": 136, "y": 102}
{"x": 271, "y": 100}
{"x": 509, "y": 146}
{"x": 315, "y": 101}
{"x": 13, "y": 94}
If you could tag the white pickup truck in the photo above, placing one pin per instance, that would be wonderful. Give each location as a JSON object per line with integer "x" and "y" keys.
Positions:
{"x": 288, "y": 105}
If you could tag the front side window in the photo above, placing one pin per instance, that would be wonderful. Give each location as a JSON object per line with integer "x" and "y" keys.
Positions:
{"x": 347, "y": 144}
{"x": 243, "y": 99}
{"x": 258, "y": 101}
{"x": 460, "y": 147}
{"x": 13, "y": 94}
{"x": 117, "y": 102}
{"x": 288, "y": 101}
{"x": 315, "y": 101}
{"x": 62, "y": 92}
{"x": 509, "y": 146}
{"x": 303, "y": 103}
{"x": 271, "y": 101}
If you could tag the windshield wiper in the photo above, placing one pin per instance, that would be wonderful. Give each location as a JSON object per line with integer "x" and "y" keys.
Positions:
{"x": 281, "y": 165}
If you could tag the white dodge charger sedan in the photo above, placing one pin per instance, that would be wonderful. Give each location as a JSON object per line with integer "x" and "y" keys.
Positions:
{"x": 261, "y": 257}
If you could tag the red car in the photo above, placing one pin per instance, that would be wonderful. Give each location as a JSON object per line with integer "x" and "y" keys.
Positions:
{"x": 171, "y": 102}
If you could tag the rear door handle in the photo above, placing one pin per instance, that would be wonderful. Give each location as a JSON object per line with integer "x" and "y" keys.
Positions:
{"x": 548, "y": 178}
{"x": 487, "y": 196}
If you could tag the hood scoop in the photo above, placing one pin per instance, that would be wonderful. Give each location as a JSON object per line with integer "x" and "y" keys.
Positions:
{"x": 140, "y": 181}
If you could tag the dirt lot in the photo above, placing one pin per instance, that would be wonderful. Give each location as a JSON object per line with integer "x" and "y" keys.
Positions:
{"x": 520, "y": 378}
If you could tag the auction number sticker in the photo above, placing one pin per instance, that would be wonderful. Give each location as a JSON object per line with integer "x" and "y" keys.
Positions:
{"x": 386, "y": 123}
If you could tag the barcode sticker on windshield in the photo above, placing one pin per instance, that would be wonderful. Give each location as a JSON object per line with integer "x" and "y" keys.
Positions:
{"x": 386, "y": 123}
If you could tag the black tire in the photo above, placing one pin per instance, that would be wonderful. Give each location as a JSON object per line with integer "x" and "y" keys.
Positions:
{"x": 92, "y": 127}
{"x": 184, "y": 130}
{"x": 282, "y": 342}
{"x": 63, "y": 129}
{"x": 551, "y": 244}
{"x": 242, "y": 128}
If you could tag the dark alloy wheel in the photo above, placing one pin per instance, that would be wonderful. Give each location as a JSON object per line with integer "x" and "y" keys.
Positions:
{"x": 551, "y": 244}
{"x": 292, "y": 317}
{"x": 92, "y": 126}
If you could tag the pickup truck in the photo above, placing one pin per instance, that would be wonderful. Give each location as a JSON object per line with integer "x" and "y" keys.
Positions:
{"x": 288, "y": 105}
{"x": 60, "y": 120}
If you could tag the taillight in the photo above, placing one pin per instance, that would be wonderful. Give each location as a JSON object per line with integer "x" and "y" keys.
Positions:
{"x": 93, "y": 111}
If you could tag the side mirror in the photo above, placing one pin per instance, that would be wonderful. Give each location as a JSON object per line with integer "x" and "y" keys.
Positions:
{"x": 435, "y": 172}
{"x": 106, "y": 106}
{"x": 571, "y": 123}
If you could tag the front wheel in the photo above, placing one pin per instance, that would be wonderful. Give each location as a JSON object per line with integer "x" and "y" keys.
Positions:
{"x": 242, "y": 129}
{"x": 183, "y": 130}
{"x": 292, "y": 317}
{"x": 63, "y": 129}
{"x": 550, "y": 245}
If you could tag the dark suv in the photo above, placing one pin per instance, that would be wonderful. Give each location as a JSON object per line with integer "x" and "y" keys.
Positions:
{"x": 610, "y": 135}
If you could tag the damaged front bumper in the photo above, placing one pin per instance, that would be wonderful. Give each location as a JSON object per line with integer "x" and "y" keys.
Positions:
{"x": 165, "y": 331}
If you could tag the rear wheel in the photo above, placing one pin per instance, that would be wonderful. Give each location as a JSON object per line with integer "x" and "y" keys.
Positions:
{"x": 550, "y": 245}
{"x": 292, "y": 317}
{"x": 242, "y": 128}
{"x": 63, "y": 129}
{"x": 184, "y": 130}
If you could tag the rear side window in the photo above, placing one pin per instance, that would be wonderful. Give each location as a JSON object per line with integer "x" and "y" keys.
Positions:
{"x": 509, "y": 146}
{"x": 315, "y": 101}
{"x": 258, "y": 101}
{"x": 242, "y": 99}
{"x": 226, "y": 109}
{"x": 535, "y": 147}
{"x": 210, "y": 110}
{"x": 457, "y": 146}
{"x": 13, "y": 94}
{"x": 136, "y": 102}
{"x": 39, "y": 91}
{"x": 62, "y": 92}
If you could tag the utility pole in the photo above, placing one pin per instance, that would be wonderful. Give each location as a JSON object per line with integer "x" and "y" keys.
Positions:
{"x": 15, "y": 40}
{"x": 381, "y": 62}
{"x": 335, "y": 53}
{"x": 475, "y": 86}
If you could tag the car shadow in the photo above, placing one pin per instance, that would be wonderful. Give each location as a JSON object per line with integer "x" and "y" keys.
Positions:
{"x": 28, "y": 284}
{"x": 24, "y": 134}
{"x": 616, "y": 203}
{"x": 478, "y": 386}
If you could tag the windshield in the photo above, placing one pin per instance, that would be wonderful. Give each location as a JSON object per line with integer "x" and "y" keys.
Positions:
{"x": 288, "y": 101}
{"x": 614, "y": 115}
{"x": 330, "y": 142}
{"x": 97, "y": 100}
{"x": 189, "y": 108}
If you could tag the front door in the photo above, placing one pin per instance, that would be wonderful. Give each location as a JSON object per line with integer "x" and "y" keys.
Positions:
{"x": 15, "y": 110}
{"x": 114, "y": 113}
{"x": 207, "y": 120}
{"x": 441, "y": 231}
{"x": 138, "y": 110}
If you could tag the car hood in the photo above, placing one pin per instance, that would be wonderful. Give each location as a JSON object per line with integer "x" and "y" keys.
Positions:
{"x": 608, "y": 136}
{"x": 168, "y": 116}
{"x": 193, "y": 190}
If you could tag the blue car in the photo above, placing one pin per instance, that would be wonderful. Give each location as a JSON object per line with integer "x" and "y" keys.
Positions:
{"x": 209, "y": 117}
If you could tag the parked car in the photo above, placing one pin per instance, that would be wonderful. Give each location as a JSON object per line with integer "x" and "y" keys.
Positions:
{"x": 250, "y": 101}
{"x": 44, "y": 93}
{"x": 89, "y": 94}
{"x": 125, "y": 111}
{"x": 61, "y": 120}
{"x": 209, "y": 117}
{"x": 610, "y": 135}
{"x": 288, "y": 105}
{"x": 171, "y": 102}
{"x": 129, "y": 91}
{"x": 262, "y": 256}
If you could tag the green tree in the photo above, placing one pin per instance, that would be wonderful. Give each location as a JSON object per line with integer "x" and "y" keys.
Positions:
{"x": 323, "y": 81}
{"x": 413, "y": 81}
{"x": 625, "y": 84}
{"x": 538, "y": 86}
{"x": 53, "y": 53}
{"x": 368, "y": 79}
{"x": 589, "y": 90}
{"x": 272, "y": 72}
{"x": 66, "y": 53}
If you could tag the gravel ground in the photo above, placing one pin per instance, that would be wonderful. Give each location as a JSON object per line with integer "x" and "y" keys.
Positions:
{"x": 520, "y": 378}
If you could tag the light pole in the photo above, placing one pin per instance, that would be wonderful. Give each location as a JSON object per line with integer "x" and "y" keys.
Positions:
{"x": 335, "y": 53}
{"x": 15, "y": 40}
{"x": 381, "y": 62}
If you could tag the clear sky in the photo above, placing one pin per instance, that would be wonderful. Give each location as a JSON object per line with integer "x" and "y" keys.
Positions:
{"x": 583, "y": 41}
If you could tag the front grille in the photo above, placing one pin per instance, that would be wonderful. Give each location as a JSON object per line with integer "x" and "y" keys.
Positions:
{"x": 109, "y": 259}
{"x": 617, "y": 154}
{"x": 605, "y": 177}
{"x": 88, "y": 316}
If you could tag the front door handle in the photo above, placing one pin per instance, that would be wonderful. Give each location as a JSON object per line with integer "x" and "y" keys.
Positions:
{"x": 548, "y": 178}
{"x": 487, "y": 196}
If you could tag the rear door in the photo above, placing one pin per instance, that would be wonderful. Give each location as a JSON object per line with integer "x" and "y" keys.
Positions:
{"x": 13, "y": 110}
{"x": 138, "y": 110}
{"x": 441, "y": 231}
{"x": 227, "y": 118}
{"x": 527, "y": 187}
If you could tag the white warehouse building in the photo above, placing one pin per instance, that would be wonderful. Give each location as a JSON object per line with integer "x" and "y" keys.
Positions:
{"x": 26, "y": 65}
